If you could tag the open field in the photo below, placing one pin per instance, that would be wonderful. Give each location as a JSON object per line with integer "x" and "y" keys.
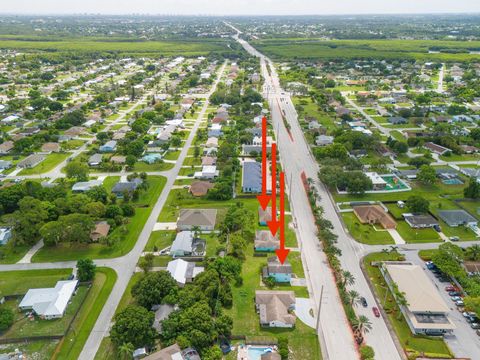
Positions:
{"x": 385, "y": 49}
{"x": 165, "y": 48}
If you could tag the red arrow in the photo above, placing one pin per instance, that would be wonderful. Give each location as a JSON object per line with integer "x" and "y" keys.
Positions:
{"x": 282, "y": 253}
{"x": 274, "y": 224}
{"x": 264, "y": 199}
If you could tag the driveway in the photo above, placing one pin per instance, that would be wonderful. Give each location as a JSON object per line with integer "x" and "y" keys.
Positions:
{"x": 396, "y": 236}
{"x": 304, "y": 310}
{"x": 165, "y": 226}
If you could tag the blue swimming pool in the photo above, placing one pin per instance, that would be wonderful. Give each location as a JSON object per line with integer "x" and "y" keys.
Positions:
{"x": 255, "y": 353}
{"x": 453, "y": 181}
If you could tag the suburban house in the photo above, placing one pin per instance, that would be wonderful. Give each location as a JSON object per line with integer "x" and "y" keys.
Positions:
{"x": 50, "y": 147}
{"x": 209, "y": 160}
{"x": 204, "y": 219}
{"x": 397, "y": 120}
{"x": 264, "y": 216}
{"x": 86, "y": 185}
{"x": 212, "y": 142}
{"x": 49, "y": 303}
{"x": 215, "y": 131}
{"x": 6, "y": 147}
{"x": 456, "y": 218}
{"x": 100, "y": 231}
{"x": 109, "y": 146}
{"x": 122, "y": 187}
{"x": 152, "y": 158}
{"x": 420, "y": 221}
{"x": 185, "y": 244}
{"x": 251, "y": 177}
{"x": 183, "y": 271}
{"x": 265, "y": 241}
{"x": 174, "y": 352}
{"x": 74, "y": 131}
{"x": 256, "y": 145}
{"x": 426, "y": 312}
{"x": 31, "y": 161}
{"x": 162, "y": 312}
{"x": 95, "y": 160}
{"x": 200, "y": 188}
{"x": 5, "y": 164}
{"x": 5, "y": 235}
{"x": 275, "y": 307}
{"x": 377, "y": 181}
{"x": 282, "y": 273}
{"x": 323, "y": 140}
{"x": 118, "y": 159}
{"x": 208, "y": 172}
{"x": 374, "y": 214}
{"x": 436, "y": 149}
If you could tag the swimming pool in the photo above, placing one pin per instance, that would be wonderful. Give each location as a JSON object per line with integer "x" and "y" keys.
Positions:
{"x": 453, "y": 181}
{"x": 255, "y": 353}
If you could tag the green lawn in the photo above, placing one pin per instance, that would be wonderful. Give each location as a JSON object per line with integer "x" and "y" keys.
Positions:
{"x": 172, "y": 155}
{"x": 11, "y": 254}
{"x": 38, "y": 350}
{"x": 407, "y": 339}
{"x": 141, "y": 166}
{"x": 19, "y": 282}
{"x": 110, "y": 182}
{"x": 417, "y": 235}
{"x": 73, "y": 342}
{"x": 160, "y": 240}
{"x": 364, "y": 233}
{"x": 50, "y": 162}
{"x": 76, "y": 251}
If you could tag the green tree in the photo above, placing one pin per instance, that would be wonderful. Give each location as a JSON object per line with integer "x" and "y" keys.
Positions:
{"x": 155, "y": 288}
{"x": 133, "y": 325}
{"x": 146, "y": 262}
{"x": 126, "y": 350}
{"x": 362, "y": 325}
{"x": 472, "y": 191}
{"x": 427, "y": 175}
{"x": 418, "y": 204}
{"x": 6, "y": 318}
{"x": 86, "y": 270}
{"x": 77, "y": 170}
{"x": 367, "y": 352}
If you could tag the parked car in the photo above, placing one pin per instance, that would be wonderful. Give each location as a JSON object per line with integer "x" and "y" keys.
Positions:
{"x": 376, "y": 312}
{"x": 454, "y": 293}
{"x": 475, "y": 325}
{"x": 468, "y": 314}
{"x": 459, "y": 303}
{"x": 478, "y": 332}
{"x": 363, "y": 301}
{"x": 450, "y": 288}
{"x": 454, "y": 238}
{"x": 444, "y": 279}
{"x": 437, "y": 228}
{"x": 456, "y": 298}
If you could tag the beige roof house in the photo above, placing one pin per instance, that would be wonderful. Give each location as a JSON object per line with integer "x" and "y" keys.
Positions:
{"x": 264, "y": 216}
{"x": 172, "y": 352}
{"x": 212, "y": 142}
{"x": 51, "y": 147}
{"x": 205, "y": 219}
{"x": 274, "y": 308}
{"x": 100, "y": 231}
{"x": 208, "y": 160}
{"x": 6, "y": 147}
{"x": 374, "y": 214}
{"x": 75, "y": 131}
{"x": 200, "y": 188}
{"x": 118, "y": 159}
{"x": 265, "y": 241}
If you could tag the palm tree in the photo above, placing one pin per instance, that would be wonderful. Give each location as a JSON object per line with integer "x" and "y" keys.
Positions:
{"x": 126, "y": 350}
{"x": 362, "y": 325}
{"x": 473, "y": 253}
{"x": 348, "y": 278}
{"x": 354, "y": 296}
{"x": 196, "y": 231}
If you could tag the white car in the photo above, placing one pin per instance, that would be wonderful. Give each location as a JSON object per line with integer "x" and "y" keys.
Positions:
{"x": 459, "y": 303}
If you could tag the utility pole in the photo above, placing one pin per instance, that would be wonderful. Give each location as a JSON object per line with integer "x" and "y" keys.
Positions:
{"x": 319, "y": 309}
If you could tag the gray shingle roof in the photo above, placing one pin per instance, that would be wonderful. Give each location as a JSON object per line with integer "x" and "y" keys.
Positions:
{"x": 252, "y": 175}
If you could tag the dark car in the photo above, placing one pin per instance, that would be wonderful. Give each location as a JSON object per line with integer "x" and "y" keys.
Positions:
{"x": 450, "y": 288}
{"x": 376, "y": 312}
{"x": 475, "y": 325}
{"x": 363, "y": 301}
{"x": 437, "y": 227}
{"x": 454, "y": 293}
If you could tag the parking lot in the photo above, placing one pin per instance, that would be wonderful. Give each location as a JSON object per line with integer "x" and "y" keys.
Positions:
{"x": 464, "y": 341}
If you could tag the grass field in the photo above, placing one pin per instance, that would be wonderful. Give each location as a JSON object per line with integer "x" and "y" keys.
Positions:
{"x": 350, "y": 49}
{"x": 76, "y": 251}
{"x": 417, "y": 235}
{"x": 72, "y": 344}
{"x": 408, "y": 341}
{"x": 141, "y": 166}
{"x": 46, "y": 165}
{"x": 165, "y": 48}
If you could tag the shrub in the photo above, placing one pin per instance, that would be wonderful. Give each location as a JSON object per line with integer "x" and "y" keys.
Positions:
{"x": 366, "y": 352}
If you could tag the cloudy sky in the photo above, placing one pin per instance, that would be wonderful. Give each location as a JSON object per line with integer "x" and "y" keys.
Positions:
{"x": 236, "y": 7}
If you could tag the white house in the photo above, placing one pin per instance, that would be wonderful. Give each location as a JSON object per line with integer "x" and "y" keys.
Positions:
{"x": 183, "y": 271}
{"x": 208, "y": 172}
{"x": 49, "y": 303}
